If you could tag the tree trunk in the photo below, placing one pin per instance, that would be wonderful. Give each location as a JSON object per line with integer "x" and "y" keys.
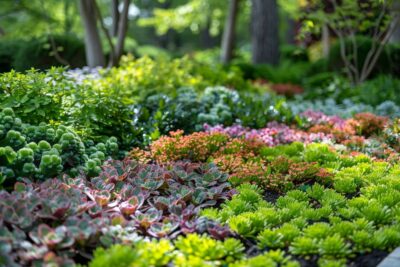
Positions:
{"x": 115, "y": 17}
{"x": 122, "y": 29}
{"x": 265, "y": 34}
{"x": 93, "y": 48}
{"x": 228, "y": 38}
{"x": 325, "y": 40}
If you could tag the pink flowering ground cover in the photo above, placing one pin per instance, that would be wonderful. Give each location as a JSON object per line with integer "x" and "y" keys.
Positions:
{"x": 360, "y": 130}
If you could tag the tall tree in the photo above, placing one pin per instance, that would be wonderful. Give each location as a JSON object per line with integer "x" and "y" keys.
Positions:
{"x": 122, "y": 29}
{"x": 93, "y": 47}
{"x": 90, "y": 13}
{"x": 228, "y": 38}
{"x": 115, "y": 17}
{"x": 265, "y": 32}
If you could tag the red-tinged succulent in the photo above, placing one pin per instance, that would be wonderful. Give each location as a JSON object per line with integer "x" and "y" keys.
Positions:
{"x": 102, "y": 197}
{"x": 130, "y": 206}
{"x": 57, "y": 220}
{"x": 145, "y": 219}
{"x": 52, "y": 238}
{"x": 163, "y": 229}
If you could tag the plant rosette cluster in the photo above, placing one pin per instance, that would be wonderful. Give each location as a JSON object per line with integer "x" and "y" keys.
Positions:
{"x": 192, "y": 250}
{"x": 63, "y": 220}
{"x": 360, "y": 216}
{"x": 41, "y": 151}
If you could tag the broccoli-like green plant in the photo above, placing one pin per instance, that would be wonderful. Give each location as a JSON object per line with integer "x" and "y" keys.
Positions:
{"x": 50, "y": 165}
{"x": 43, "y": 151}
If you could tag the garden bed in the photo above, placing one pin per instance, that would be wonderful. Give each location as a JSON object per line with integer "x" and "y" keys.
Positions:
{"x": 325, "y": 194}
{"x": 101, "y": 175}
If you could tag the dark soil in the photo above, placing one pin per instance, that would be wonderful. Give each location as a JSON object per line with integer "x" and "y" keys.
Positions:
{"x": 271, "y": 196}
{"x": 371, "y": 259}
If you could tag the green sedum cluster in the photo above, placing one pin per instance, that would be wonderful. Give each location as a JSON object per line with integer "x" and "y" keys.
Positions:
{"x": 42, "y": 151}
{"x": 360, "y": 216}
{"x": 193, "y": 250}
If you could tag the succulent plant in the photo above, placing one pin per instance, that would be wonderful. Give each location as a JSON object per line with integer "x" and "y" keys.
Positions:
{"x": 71, "y": 215}
{"x": 42, "y": 151}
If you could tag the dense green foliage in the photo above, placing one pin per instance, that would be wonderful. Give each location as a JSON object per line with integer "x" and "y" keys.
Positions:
{"x": 40, "y": 53}
{"x": 44, "y": 151}
{"x": 192, "y": 250}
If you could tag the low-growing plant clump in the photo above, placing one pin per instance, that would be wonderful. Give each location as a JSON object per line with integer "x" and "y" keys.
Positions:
{"x": 357, "y": 217}
{"x": 44, "y": 151}
{"x": 70, "y": 217}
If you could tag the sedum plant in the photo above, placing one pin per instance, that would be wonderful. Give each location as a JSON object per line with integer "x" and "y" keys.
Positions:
{"x": 126, "y": 202}
{"x": 192, "y": 250}
{"x": 321, "y": 223}
{"x": 41, "y": 151}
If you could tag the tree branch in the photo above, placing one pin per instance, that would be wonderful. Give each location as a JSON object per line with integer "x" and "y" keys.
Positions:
{"x": 112, "y": 58}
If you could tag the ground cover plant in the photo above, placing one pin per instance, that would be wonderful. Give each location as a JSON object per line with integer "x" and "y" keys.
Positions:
{"x": 318, "y": 204}
{"x": 63, "y": 220}
{"x": 43, "y": 151}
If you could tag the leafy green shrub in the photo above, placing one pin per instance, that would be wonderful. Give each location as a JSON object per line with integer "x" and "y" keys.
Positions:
{"x": 34, "y": 96}
{"x": 382, "y": 88}
{"x": 286, "y": 72}
{"x": 54, "y": 97}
